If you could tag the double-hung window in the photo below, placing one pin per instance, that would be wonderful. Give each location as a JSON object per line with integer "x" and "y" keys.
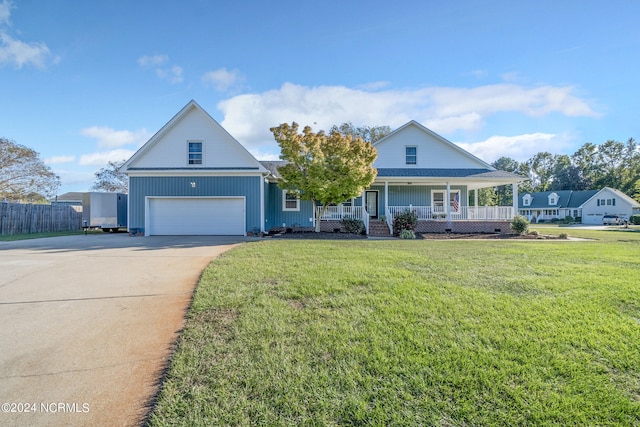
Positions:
{"x": 411, "y": 155}
{"x": 290, "y": 202}
{"x": 195, "y": 152}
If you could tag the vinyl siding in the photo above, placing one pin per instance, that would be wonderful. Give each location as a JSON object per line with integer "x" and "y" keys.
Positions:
{"x": 416, "y": 195}
{"x": 275, "y": 216}
{"x": 247, "y": 186}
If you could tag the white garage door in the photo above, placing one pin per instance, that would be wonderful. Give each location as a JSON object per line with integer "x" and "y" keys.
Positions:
{"x": 196, "y": 216}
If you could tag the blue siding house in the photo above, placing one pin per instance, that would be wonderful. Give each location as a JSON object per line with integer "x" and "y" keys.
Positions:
{"x": 193, "y": 178}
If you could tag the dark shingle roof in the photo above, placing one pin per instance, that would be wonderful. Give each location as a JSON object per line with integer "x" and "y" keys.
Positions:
{"x": 272, "y": 166}
{"x": 566, "y": 199}
{"x": 444, "y": 173}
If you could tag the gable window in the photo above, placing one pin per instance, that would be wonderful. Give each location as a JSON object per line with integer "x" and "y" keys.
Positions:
{"x": 290, "y": 202}
{"x": 553, "y": 199}
{"x": 526, "y": 200}
{"x": 195, "y": 152}
{"x": 411, "y": 155}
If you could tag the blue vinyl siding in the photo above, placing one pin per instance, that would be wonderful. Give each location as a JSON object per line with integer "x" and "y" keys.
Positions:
{"x": 275, "y": 216}
{"x": 416, "y": 195}
{"x": 247, "y": 186}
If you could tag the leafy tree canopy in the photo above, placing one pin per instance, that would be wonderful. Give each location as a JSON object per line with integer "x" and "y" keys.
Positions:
{"x": 111, "y": 180}
{"x": 23, "y": 175}
{"x": 324, "y": 168}
{"x": 368, "y": 134}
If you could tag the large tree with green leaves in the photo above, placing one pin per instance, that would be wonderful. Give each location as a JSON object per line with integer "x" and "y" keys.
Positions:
{"x": 23, "y": 175}
{"x": 324, "y": 168}
{"x": 110, "y": 179}
{"x": 368, "y": 134}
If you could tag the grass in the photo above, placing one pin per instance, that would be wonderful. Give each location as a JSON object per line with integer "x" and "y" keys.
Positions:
{"x": 446, "y": 333}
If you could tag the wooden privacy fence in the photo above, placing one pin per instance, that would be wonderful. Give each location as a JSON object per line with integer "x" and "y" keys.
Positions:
{"x": 17, "y": 218}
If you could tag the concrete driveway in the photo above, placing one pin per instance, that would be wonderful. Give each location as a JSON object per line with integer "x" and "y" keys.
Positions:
{"x": 87, "y": 323}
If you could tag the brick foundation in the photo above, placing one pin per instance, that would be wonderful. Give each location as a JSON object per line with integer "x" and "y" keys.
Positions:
{"x": 502, "y": 227}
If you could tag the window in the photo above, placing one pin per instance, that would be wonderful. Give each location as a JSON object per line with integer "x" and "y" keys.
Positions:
{"x": 438, "y": 197}
{"x": 526, "y": 200}
{"x": 195, "y": 153}
{"x": 553, "y": 199}
{"x": 290, "y": 202}
{"x": 411, "y": 155}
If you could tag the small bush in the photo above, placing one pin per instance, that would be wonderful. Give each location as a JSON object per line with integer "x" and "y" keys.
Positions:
{"x": 407, "y": 220}
{"x": 635, "y": 219}
{"x": 533, "y": 233}
{"x": 353, "y": 225}
{"x": 407, "y": 234}
{"x": 568, "y": 219}
{"x": 579, "y": 219}
{"x": 563, "y": 236}
{"x": 519, "y": 224}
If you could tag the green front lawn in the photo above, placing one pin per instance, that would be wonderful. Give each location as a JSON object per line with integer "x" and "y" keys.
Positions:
{"x": 446, "y": 333}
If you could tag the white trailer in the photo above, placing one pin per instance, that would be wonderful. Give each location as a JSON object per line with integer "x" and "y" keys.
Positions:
{"x": 107, "y": 211}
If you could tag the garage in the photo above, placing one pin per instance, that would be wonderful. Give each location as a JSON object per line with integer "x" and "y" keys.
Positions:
{"x": 183, "y": 216}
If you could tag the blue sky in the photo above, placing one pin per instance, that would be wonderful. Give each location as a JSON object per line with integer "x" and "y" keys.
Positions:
{"x": 88, "y": 82}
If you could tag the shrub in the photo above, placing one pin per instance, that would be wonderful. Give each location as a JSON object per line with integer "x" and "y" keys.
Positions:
{"x": 563, "y": 236}
{"x": 353, "y": 225}
{"x": 407, "y": 220}
{"x": 533, "y": 233}
{"x": 519, "y": 224}
{"x": 407, "y": 234}
{"x": 568, "y": 219}
{"x": 635, "y": 219}
{"x": 579, "y": 219}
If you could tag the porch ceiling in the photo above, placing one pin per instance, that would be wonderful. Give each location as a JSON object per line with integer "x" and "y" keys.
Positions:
{"x": 472, "y": 178}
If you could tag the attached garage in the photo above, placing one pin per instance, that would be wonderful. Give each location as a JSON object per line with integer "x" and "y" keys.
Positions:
{"x": 182, "y": 216}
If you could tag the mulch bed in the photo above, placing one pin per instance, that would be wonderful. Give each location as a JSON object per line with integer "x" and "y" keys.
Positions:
{"x": 423, "y": 236}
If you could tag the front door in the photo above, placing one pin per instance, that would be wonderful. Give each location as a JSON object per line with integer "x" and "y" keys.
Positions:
{"x": 371, "y": 203}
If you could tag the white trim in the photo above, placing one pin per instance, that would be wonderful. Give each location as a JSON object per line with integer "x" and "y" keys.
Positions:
{"x": 445, "y": 192}
{"x": 415, "y": 163}
{"x": 195, "y": 165}
{"x": 284, "y": 203}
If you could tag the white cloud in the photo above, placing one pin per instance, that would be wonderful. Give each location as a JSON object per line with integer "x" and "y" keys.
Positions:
{"x": 101, "y": 159}
{"x": 153, "y": 60}
{"x": 518, "y": 147}
{"x": 108, "y": 137}
{"x": 18, "y": 52}
{"x": 59, "y": 159}
{"x": 222, "y": 79}
{"x": 173, "y": 74}
{"x": 443, "y": 109}
{"x": 5, "y": 12}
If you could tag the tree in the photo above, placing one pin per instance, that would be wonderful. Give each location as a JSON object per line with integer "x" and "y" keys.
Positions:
{"x": 110, "y": 179}
{"x": 23, "y": 175}
{"x": 326, "y": 169}
{"x": 503, "y": 194}
{"x": 368, "y": 134}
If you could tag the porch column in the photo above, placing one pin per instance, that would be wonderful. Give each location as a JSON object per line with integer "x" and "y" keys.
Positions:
{"x": 447, "y": 202}
{"x": 386, "y": 197}
{"x": 475, "y": 198}
{"x": 514, "y": 188}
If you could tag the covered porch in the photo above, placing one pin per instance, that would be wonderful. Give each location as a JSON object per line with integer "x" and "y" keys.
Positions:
{"x": 442, "y": 204}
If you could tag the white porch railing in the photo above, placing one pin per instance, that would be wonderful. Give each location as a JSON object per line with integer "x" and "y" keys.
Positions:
{"x": 464, "y": 213}
{"x": 336, "y": 213}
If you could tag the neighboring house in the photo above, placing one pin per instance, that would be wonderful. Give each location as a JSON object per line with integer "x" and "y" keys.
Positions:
{"x": 588, "y": 206}
{"x": 193, "y": 177}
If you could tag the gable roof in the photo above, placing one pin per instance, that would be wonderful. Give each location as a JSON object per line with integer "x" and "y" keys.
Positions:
{"x": 618, "y": 193}
{"x": 566, "y": 199}
{"x": 435, "y": 136}
{"x": 249, "y": 162}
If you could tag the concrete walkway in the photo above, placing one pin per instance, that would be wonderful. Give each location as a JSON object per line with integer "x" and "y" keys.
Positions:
{"x": 87, "y": 323}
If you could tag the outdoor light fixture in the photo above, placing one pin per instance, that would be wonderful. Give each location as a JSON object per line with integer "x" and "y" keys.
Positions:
{"x": 193, "y": 185}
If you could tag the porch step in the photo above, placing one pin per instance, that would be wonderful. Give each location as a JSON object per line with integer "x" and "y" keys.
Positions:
{"x": 378, "y": 229}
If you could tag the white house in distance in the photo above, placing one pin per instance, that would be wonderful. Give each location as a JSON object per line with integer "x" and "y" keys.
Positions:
{"x": 590, "y": 205}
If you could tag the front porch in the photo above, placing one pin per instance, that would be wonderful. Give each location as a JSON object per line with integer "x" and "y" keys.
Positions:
{"x": 431, "y": 219}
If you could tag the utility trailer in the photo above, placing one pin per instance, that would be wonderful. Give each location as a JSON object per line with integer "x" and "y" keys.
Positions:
{"x": 107, "y": 211}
